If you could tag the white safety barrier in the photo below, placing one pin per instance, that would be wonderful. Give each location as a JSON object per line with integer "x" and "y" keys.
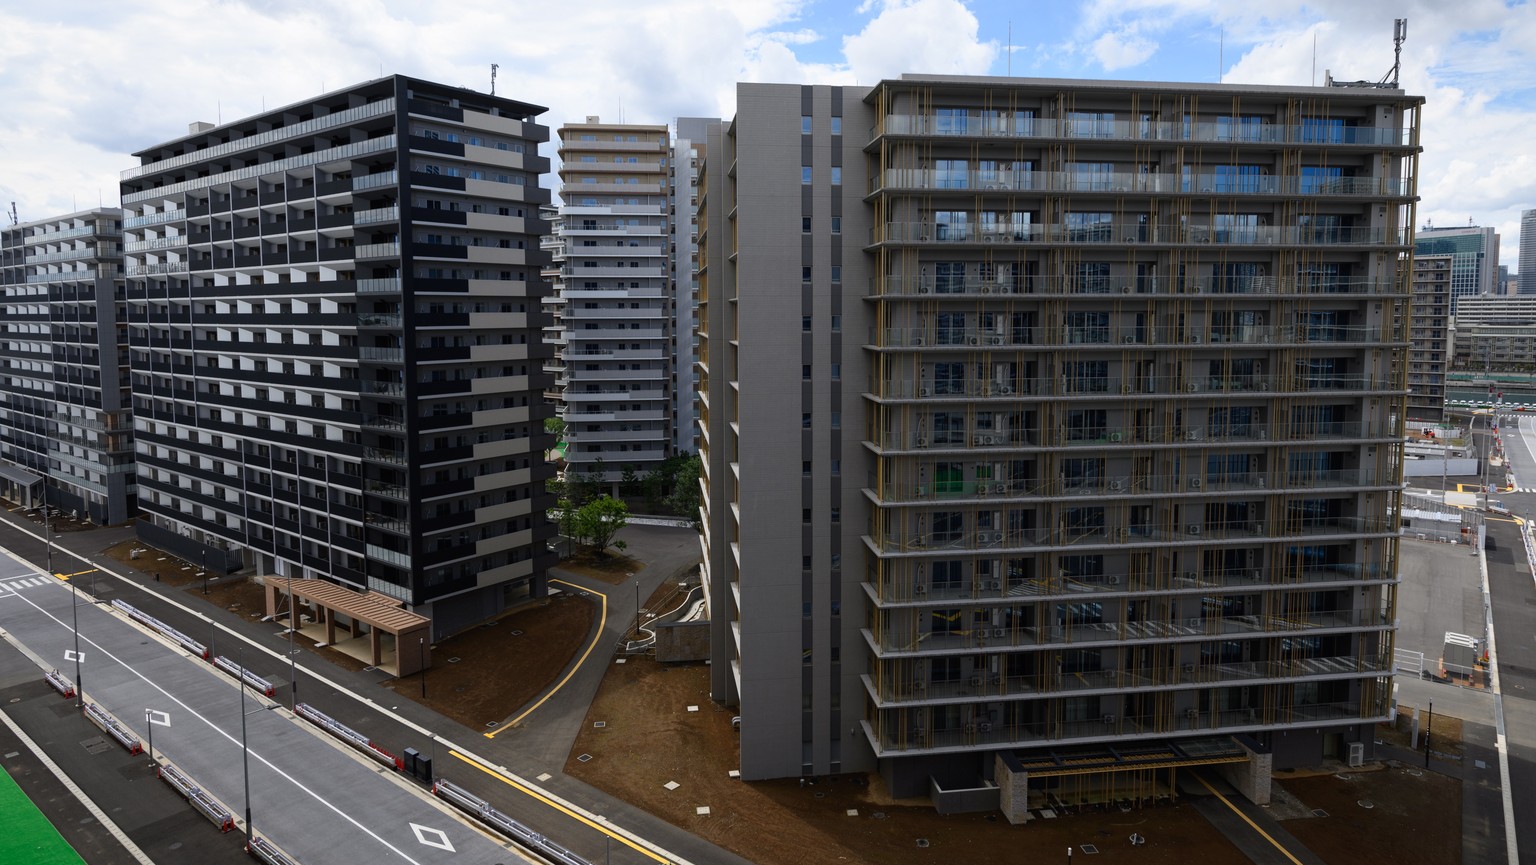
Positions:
{"x": 349, "y": 735}
{"x": 245, "y": 675}
{"x": 146, "y": 619}
{"x": 111, "y": 727}
{"x": 204, "y": 804}
{"x": 267, "y": 852}
{"x": 481, "y": 810}
{"x": 59, "y": 683}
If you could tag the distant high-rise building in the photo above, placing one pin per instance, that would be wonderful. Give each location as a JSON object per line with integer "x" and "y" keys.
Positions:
{"x": 1054, "y": 428}
{"x": 1527, "y": 260}
{"x": 688, "y": 148}
{"x": 333, "y": 315}
{"x": 1474, "y": 252}
{"x": 617, "y": 299}
{"x": 66, "y": 429}
{"x": 1429, "y": 336}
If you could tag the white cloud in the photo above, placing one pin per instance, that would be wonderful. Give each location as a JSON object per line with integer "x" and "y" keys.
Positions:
{"x": 935, "y": 36}
{"x": 1117, "y": 50}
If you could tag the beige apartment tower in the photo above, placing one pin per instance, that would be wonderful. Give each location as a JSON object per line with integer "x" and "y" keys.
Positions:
{"x": 1047, "y": 417}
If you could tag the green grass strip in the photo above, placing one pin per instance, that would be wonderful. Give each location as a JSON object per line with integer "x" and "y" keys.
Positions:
{"x": 25, "y": 834}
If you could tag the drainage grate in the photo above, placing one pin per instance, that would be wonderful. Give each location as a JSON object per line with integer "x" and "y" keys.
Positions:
{"x": 584, "y": 758}
{"x": 878, "y": 815}
{"x": 492, "y": 723}
{"x": 95, "y": 745}
{"x": 516, "y": 632}
{"x": 922, "y": 842}
{"x": 1366, "y": 804}
{"x": 1088, "y": 848}
{"x": 1318, "y": 812}
{"x": 599, "y": 724}
{"x": 453, "y": 660}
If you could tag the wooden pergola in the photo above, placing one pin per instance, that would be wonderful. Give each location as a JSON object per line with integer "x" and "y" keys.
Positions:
{"x": 381, "y": 613}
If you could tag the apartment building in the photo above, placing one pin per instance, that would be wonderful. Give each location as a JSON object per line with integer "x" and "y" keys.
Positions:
{"x": 688, "y": 146}
{"x": 1527, "y": 257}
{"x": 66, "y": 432}
{"x": 617, "y": 299}
{"x": 1474, "y": 252}
{"x": 1429, "y": 336}
{"x": 1494, "y": 308}
{"x": 333, "y": 314}
{"x": 1078, "y": 436}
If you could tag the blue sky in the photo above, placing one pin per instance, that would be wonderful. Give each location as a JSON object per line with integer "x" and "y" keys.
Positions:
{"x": 87, "y": 82}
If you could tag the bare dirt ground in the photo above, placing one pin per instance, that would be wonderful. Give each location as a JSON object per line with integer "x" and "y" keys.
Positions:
{"x": 1398, "y": 814}
{"x": 611, "y": 568}
{"x": 650, "y": 738}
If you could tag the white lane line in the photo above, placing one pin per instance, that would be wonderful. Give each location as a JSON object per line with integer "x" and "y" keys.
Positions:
{"x": 212, "y": 726}
{"x": 339, "y": 688}
{"x": 101, "y": 817}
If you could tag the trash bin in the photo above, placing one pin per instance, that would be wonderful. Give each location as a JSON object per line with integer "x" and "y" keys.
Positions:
{"x": 424, "y": 764}
{"x": 411, "y": 757}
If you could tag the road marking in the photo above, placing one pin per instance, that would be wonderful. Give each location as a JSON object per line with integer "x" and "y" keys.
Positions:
{"x": 232, "y": 740}
{"x": 622, "y": 839}
{"x": 441, "y": 841}
{"x": 1283, "y": 852}
{"x": 157, "y": 717}
{"x": 601, "y": 623}
{"x": 72, "y": 655}
{"x": 76, "y": 574}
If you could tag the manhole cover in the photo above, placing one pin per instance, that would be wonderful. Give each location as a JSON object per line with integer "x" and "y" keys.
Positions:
{"x": 492, "y": 723}
{"x": 453, "y": 660}
{"x": 95, "y": 745}
{"x": 1366, "y": 804}
{"x": 15, "y": 699}
{"x": 599, "y": 724}
{"x": 922, "y": 842}
{"x": 584, "y": 758}
{"x": 1088, "y": 848}
{"x": 878, "y": 815}
{"x": 1417, "y": 773}
{"x": 516, "y": 632}
{"x": 1318, "y": 812}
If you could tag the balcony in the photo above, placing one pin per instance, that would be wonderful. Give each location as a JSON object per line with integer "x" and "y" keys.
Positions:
{"x": 911, "y": 491}
{"x": 1092, "y": 535}
{"x": 1003, "y": 125}
{"x": 1120, "y": 184}
{"x": 376, "y": 354}
{"x": 1031, "y": 439}
{"x": 1020, "y": 284}
{"x": 386, "y": 285}
{"x": 1132, "y": 233}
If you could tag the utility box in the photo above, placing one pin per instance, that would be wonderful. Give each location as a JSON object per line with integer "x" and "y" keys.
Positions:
{"x": 1460, "y": 655}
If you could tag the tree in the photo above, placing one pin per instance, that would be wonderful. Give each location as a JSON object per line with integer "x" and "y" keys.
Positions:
{"x": 554, "y": 426}
{"x": 628, "y": 481}
{"x": 684, "y": 498}
{"x": 597, "y": 521}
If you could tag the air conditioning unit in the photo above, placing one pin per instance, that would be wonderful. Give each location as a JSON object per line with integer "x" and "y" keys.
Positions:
{"x": 991, "y": 440}
{"x": 1194, "y": 387}
{"x": 978, "y": 439}
{"x": 1114, "y": 579}
{"x": 1005, "y": 389}
{"x": 994, "y": 340}
{"x": 1116, "y": 486}
{"x": 1128, "y": 339}
{"x": 1125, "y": 289}
{"x": 1109, "y": 720}
{"x": 1125, "y": 388}
{"x": 999, "y": 632}
{"x": 923, "y": 238}
{"x": 996, "y": 585}
{"x": 985, "y": 726}
{"x": 916, "y": 340}
{"x": 1114, "y": 436}
{"x": 923, "y": 289}
{"x": 983, "y": 489}
{"x": 1189, "y": 669}
{"x": 925, "y": 390}
{"x": 1256, "y": 529}
{"x": 1122, "y": 534}
{"x": 1195, "y": 339}
{"x": 975, "y": 681}
{"x": 970, "y": 729}
{"x": 973, "y": 340}
{"x": 922, "y": 442}
{"x": 1192, "y": 714}
{"x": 1194, "y": 435}
{"x": 1194, "y": 530}
{"x": 919, "y": 685}
{"x": 920, "y": 589}
{"x": 1189, "y": 575}
{"x": 1195, "y": 483}
{"x": 1356, "y": 754}
{"x": 989, "y": 238}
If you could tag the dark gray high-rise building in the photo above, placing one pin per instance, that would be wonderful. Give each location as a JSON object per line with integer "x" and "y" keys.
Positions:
{"x": 65, "y": 431}
{"x": 333, "y": 312}
{"x": 1527, "y": 260}
{"x": 1052, "y": 430}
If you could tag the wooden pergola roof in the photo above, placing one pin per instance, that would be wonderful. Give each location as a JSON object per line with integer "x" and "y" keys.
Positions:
{"x": 371, "y": 608}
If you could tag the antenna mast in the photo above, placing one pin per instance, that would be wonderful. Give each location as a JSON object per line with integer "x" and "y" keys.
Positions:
{"x": 494, "y": 67}
{"x": 14, "y": 219}
{"x": 1399, "y": 36}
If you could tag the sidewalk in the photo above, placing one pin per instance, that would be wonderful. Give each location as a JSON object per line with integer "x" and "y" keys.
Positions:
{"x": 536, "y": 749}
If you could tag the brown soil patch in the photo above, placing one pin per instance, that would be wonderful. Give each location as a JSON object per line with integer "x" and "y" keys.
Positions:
{"x": 1414, "y": 818}
{"x": 164, "y": 567}
{"x": 650, "y": 738}
{"x": 1444, "y": 732}
{"x": 60, "y": 524}
{"x": 543, "y": 637}
{"x": 611, "y": 569}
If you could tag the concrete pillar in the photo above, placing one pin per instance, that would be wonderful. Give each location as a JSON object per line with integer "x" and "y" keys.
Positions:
{"x": 1013, "y": 787}
{"x": 330, "y": 626}
{"x": 1253, "y": 778}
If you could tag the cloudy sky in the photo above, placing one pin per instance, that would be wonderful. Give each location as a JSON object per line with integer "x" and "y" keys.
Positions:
{"x": 83, "y": 83}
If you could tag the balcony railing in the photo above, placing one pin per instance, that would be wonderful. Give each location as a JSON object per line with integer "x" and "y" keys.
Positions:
{"x": 1100, "y": 535}
{"x": 1117, "y": 334}
{"x": 385, "y": 285}
{"x": 897, "y": 491}
{"x": 934, "y": 180}
{"x": 940, "y": 391}
{"x": 1025, "y": 126}
{"x": 924, "y": 284}
{"x": 903, "y": 588}
{"x": 1134, "y": 233}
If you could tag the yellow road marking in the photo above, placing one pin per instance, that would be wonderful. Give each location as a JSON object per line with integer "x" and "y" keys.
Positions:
{"x": 561, "y": 808}
{"x": 602, "y": 622}
{"x": 1283, "y": 852}
{"x": 76, "y": 574}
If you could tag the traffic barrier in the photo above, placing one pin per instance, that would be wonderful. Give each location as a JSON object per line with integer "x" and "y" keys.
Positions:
{"x": 245, "y": 675}
{"x": 111, "y": 727}
{"x": 203, "y": 803}
{"x": 348, "y": 735}
{"x": 59, "y": 683}
{"x": 267, "y": 852}
{"x": 498, "y": 822}
{"x": 153, "y": 623}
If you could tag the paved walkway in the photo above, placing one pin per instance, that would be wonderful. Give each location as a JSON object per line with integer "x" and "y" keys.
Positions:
{"x": 566, "y": 809}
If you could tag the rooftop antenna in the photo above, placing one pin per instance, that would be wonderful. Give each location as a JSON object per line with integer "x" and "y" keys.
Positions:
{"x": 1010, "y": 48}
{"x": 494, "y": 67}
{"x": 14, "y": 219}
{"x": 1399, "y": 36}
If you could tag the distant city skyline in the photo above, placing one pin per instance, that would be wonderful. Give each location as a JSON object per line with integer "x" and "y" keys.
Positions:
{"x": 80, "y": 97}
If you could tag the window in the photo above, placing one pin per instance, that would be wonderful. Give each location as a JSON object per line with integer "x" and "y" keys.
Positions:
{"x": 837, "y": 176}
{"x": 805, "y": 225}
{"x": 805, "y": 125}
{"x": 837, "y": 273}
{"x": 805, "y": 274}
{"x": 951, "y": 173}
{"x": 837, "y": 126}
{"x": 1086, "y": 424}
{"x": 805, "y": 175}
{"x": 805, "y": 323}
{"x": 837, "y": 225}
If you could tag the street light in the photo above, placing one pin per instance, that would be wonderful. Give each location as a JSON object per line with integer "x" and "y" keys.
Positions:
{"x": 204, "y": 571}
{"x": 421, "y": 661}
{"x": 245, "y": 749}
{"x": 1428, "y": 724}
{"x": 293, "y": 625}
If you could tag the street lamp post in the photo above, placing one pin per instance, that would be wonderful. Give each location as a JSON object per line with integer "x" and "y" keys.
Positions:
{"x": 1427, "y": 725}
{"x": 204, "y": 571}
{"x": 149, "y": 726}
{"x": 421, "y": 661}
{"x": 245, "y": 750}
{"x": 293, "y": 625}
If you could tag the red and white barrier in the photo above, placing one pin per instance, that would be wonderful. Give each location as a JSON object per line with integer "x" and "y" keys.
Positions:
{"x": 349, "y": 735}
{"x": 64, "y": 686}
